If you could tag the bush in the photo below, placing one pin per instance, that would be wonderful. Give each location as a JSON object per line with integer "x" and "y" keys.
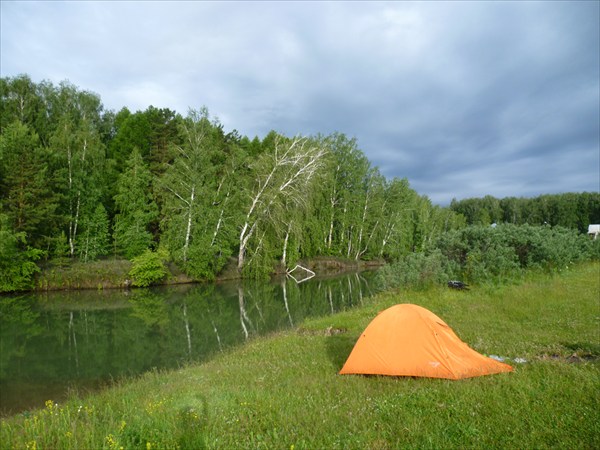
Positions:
{"x": 417, "y": 270}
{"x": 149, "y": 268}
{"x": 497, "y": 254}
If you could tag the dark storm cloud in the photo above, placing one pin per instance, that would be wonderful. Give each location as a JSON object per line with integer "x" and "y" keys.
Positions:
{"x": 462, "y": 98}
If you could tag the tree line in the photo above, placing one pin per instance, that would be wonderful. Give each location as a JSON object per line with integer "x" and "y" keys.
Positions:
{"x": 78, "y": 182}
{"x": 570, "y": 210}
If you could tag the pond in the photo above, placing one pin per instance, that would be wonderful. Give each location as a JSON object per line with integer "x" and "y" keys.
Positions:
{"x": 56, "y": 343}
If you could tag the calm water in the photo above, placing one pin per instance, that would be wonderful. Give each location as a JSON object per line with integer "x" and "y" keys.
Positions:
{"x": 55, "y": 343}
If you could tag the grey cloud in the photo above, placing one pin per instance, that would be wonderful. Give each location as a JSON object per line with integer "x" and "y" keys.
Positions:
{"x": 463, "y": 98}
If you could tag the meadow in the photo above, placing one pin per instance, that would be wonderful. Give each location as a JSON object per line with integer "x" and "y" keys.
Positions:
{"x": 283, "y": 391}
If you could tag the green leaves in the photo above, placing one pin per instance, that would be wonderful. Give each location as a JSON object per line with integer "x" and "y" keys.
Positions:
{"x": 149, "y": 268}
{"x": 17, "y": 266}
{"x": 135, "y": 206}
{"x": 570, "y": 210}
{"x": 490, "y": 255}
{"x": 94, "y": 241}
{"x": 26, "y": 194}
{"x": 72, "y": 174}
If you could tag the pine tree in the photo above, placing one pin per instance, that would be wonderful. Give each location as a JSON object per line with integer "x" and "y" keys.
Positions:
{"x": 25, "y": 193}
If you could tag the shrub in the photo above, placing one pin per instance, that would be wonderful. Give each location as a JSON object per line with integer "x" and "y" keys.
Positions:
{"x": 417, "y": 270}
{"x": 149, "y": 268}
{"x": 496, "y": 254}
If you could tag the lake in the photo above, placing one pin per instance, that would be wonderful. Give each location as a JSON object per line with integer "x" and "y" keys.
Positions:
{"x": 56, "y": 343}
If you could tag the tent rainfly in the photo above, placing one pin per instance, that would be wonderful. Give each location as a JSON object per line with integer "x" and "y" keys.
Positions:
{"x": 409, "y": 340}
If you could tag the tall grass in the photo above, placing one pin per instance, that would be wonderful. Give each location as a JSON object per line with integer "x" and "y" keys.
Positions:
{"x": 283, "y": 391}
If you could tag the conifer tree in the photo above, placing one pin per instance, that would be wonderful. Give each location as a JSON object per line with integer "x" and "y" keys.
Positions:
{"x": 25, "y": 192}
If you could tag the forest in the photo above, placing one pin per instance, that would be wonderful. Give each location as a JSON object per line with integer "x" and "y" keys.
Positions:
{"x": 79, "y": 183}
{"x": 569, "y": 210}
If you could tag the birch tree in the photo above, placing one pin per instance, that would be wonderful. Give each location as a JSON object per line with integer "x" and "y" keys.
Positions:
{"x": 185, "y": 183}
{"x": 397, "y": 214}
{"x": 372, "y": 213}
{"x": 94, "y": 241}
{"x": 80, "y": 159}
{"x": 282, "y": 177}
{"x": 196, "y": 191}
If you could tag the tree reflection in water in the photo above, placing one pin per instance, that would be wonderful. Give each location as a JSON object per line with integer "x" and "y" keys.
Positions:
{"x": 81, "y": 340}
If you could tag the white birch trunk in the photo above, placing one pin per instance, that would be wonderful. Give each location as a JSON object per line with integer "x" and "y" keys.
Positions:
{"x": 188, "y": 231}
{"x": 343, "y": 225}
{"x": 362, "y": 224}
{"x": 291, "y": 169}
{"x": 285, "y": 245}
{"x": 73, "y": 226}
{"x": 333, "y": 202}
{"x": 220, "y": 221}
{"x": 386, "y": 237}
{"x": 366, "y": 248}
{"x": 349, "y": 242}
{"x": 247, "y": 229}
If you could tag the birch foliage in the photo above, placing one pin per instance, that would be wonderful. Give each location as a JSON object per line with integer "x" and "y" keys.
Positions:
{"x": 135, "y": 206}
{"x": 191, "y": 190}
{"x": 282, "y": 176}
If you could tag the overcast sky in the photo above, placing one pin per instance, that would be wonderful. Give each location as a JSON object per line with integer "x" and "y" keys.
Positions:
{"x": 464, "y": 99}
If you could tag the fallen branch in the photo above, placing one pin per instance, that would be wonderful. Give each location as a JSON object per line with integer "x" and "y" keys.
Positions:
{"x": 298, "y": 266}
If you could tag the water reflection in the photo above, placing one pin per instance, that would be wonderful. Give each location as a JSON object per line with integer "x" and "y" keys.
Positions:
{"x": 55, "y": 342}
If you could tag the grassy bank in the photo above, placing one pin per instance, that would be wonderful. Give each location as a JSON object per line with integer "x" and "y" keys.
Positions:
{"x": 111, "y": 273}
{"x": 108, "y": 273}
{"x": 283, "y": 391}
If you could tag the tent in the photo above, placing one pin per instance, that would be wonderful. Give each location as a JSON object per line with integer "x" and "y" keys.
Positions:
{"x": 409, "y": 340}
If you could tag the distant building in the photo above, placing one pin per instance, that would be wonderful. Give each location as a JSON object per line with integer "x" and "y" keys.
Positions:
{"x": 594, "y": 231}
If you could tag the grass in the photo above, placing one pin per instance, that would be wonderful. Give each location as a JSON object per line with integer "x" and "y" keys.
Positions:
{"x": 101, "y": 274}
{"x": 106, "y": 273}
{"x": 283, "y": 391}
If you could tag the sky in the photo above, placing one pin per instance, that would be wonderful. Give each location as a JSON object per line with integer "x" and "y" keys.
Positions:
{"x": 464, "y": 99}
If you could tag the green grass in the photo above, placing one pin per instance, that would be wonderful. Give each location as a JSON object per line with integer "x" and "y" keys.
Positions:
{"x": 283, "y": 391}
{"x": 107, "y": 273}
{"x": 101, "y": 274}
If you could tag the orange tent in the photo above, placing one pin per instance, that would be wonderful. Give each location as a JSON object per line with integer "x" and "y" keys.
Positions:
{"x": 408, "y": 340}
